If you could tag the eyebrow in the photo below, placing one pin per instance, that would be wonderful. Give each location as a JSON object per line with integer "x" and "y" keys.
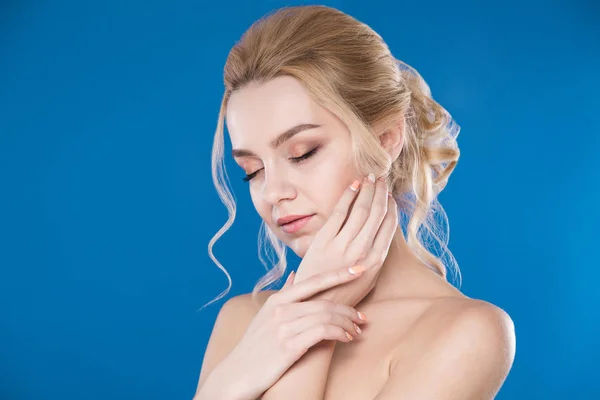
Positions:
{"x": 279, "y": 140}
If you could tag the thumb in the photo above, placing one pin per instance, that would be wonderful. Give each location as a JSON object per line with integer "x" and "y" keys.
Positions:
{"x": 290, "y": 280}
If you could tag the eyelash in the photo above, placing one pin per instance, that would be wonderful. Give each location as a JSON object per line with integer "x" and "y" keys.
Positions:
{"x": 295, "y": 160}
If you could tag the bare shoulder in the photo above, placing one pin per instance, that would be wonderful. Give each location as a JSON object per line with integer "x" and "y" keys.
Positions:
{"x": 236, "y": 314}
{"x": 464, "y": 318}
{"x": 473, "y": 316}
{"x": 230, "y": 325}
{"x": 469, "y": 308}
{"x": 474, "y": 337}
{"x": 261, "y": 298}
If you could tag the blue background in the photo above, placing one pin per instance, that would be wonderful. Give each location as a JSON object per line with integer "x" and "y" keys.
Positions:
{"x": 107, "y": 113}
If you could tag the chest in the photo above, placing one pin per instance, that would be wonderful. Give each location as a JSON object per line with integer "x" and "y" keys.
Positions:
{"x": 359, "y": 369}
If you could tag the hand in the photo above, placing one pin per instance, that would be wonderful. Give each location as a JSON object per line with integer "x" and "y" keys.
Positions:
{"x": 364, "y": 240}
{"x": 282, "y": 331}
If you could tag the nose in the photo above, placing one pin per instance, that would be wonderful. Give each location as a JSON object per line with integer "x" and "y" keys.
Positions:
{"x": 276, "y": 186}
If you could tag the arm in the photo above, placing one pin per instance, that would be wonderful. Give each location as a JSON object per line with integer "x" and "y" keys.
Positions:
{"x": 235, "y": 315}
{"x": 306, "y": 379}
{"x": 468, "y": 361}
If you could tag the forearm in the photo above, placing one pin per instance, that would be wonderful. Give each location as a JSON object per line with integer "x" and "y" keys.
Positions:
{"x": 306, "y": 379}
{"x": 216, "y": 388}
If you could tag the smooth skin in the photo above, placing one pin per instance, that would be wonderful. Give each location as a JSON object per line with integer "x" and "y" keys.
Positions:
{"x": 289, "y": 323}
{"x": 361, "y": 237}
{"x": 283, "y": 330}
{"x": 424, "y": 339}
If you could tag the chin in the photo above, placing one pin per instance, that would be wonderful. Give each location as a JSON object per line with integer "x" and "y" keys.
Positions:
{"x": 299, "y": 245}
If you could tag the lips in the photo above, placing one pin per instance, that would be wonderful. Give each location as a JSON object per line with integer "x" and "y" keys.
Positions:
{"x": 289, "y": 218}
{"x": 296, "y": 225}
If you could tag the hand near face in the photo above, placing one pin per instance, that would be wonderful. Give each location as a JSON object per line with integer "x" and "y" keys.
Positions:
{"x": 363, "y": 240}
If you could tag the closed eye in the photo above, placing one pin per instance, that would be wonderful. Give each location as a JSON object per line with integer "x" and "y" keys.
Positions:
{"x": 305, "y": 155}
{"x": 295, "y": 160}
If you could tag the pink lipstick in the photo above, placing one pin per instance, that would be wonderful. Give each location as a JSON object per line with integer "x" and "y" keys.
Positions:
{"x": 296, "y": 225}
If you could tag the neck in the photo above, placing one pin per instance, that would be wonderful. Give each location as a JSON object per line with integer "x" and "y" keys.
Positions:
{"x": 402, "y": 274}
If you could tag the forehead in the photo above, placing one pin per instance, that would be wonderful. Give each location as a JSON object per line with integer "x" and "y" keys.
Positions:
{"x": 259, "y": 111}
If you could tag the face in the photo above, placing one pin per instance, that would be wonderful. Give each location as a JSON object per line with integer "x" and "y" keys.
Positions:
{"x": 303, "y": 175}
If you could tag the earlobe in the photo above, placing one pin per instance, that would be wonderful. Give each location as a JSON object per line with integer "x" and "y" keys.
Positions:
{"x": 393, "y": 139}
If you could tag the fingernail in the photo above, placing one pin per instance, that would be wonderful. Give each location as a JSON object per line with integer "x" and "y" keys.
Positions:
{"x": 349, "y": 336}
{"x": 371, "y": 177}
{"x": 357, "y": 328}
{"x": 357, "y": 269}
{"x": 355, "y": 185}
{"x": 362, "y": 316}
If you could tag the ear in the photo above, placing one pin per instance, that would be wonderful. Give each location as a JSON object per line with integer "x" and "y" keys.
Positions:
{"x": 392, "y": 139}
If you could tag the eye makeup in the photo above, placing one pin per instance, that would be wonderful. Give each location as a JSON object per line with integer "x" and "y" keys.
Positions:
{"x": 294, "y": 160}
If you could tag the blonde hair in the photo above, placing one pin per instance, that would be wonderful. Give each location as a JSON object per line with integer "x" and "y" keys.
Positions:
{"x": 349, "y": 70}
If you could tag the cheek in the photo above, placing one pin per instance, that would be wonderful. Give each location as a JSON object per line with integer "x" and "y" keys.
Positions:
{"x": 333, "y": 178}
{"x": 319, "y": 188}
{"x": 261, "y": 207}
{"x": 329, "y": 185}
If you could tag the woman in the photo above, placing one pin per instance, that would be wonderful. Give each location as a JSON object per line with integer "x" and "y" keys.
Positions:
{"x": 338, "y": 140}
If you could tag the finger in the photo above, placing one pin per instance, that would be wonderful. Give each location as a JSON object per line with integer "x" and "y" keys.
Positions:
{"x": 297, "y": 310}
{"x": 316, "y": 334}
{"x": 365, "y": 237}
{"x": 289, "y": 281}
{"x": 359, "y": 213}
{"x": 339, "y": 213}
{"x": 302, "y": 324}
{"x": 314, "y": 284}
{"x": 388, "y": 228}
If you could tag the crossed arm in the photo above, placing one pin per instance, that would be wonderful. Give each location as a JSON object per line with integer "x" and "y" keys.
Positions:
{"x": 469, "y": 359}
